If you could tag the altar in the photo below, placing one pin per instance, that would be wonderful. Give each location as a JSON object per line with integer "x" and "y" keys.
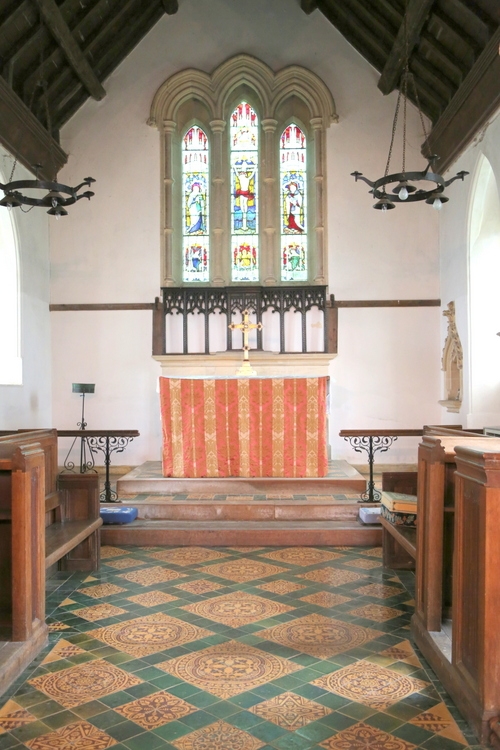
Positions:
{"x": 244, "y": 427}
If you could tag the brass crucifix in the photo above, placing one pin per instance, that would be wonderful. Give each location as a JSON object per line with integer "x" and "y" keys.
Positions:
{"x": 245, "y": 327}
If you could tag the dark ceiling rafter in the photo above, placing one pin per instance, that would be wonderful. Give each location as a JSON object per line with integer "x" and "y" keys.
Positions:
{"x": 56, "y": 24}
{"x": 56, "y": 66}
{"x": 416, "y": 15}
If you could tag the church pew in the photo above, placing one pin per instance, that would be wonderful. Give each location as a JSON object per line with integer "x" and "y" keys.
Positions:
{"x": 457, "y": 499}
{"x": 72, "y": 520}
{"x": 44, "y": 519}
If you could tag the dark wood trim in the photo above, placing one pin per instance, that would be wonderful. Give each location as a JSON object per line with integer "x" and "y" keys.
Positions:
{"x": 57, "y": 26}
{"x": 387, "y": 303}
{"x": 475, "y": 102}
{"x": 416, "y": 15}
{"x": 159, "y": 328}
{"x": 25, "y": 137}
{"x": 332, "y": 328}
{"x": 104, "y": 306}
{"x": 308, "y": 6}
{"x": 170, "y": 6}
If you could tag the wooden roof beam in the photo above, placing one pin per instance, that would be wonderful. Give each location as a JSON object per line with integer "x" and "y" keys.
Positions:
{"x": 56, "y": 24}
{"x": 416, "y": 15}
{"x": 475, "y": 102}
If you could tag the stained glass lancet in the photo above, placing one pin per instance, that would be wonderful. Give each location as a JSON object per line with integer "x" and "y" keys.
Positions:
{"x": 293, "y": 186}
{"x": 244, "y": 155}
{"x": 195, "y": 198}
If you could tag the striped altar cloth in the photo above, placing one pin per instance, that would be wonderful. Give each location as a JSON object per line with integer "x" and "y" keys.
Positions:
{"x": 244, "y": 427}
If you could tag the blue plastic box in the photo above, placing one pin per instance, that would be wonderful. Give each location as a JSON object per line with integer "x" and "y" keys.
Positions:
{"x": 122, "y": 514}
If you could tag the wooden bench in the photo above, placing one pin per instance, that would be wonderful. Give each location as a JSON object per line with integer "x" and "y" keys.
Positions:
{"x": 45, "y": 519}
{"x": 399, "y": 543}
{"x": 71, "y": 504}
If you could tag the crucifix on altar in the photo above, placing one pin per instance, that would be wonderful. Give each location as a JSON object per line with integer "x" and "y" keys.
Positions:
{"x": 245, "y": 327}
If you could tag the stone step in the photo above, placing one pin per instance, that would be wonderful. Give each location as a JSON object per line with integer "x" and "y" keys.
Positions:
{"x": 245, "y": 509}
{"x": 148, "y": 479}
{"x": 242, "y": 533}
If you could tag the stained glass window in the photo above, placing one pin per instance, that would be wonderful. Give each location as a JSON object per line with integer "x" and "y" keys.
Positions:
{"x": 244, "y": 154}
{"x": 195, "y": 197}
{"x": 293, "y": 187}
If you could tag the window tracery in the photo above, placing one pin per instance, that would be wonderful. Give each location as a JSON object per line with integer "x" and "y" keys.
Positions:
{"x": 263, "y": 191}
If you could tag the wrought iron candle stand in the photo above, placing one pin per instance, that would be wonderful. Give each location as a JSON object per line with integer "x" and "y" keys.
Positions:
{"x": 86, "y": 457}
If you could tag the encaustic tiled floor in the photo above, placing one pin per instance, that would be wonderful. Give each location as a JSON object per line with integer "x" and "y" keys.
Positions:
{"x": 231, "y": 649}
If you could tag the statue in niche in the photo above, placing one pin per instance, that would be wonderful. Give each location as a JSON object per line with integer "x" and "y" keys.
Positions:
{"x": 452, "y": 363}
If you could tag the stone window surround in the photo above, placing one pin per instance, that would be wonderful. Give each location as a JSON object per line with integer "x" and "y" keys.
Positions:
{"x": 190, "y": 97}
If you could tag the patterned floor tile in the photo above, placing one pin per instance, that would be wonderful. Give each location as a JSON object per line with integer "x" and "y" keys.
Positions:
{"x": 364, "y": 563}
{"x": 199, "y": 587}
{"x": 245, "y": 550}
{"x": 143, "y": 636}
{"x": 155, "y": 710}
{"x": 13, "y": 716}
{"x": 152, "y": 598}
{"x": 370, "y": 684}
{"x": 80, "y": 734}
{"x": 188, "y": 555}
{"x": 331, "y": 576}
{"x": 237, "y": 609}
{"x": 364, "y": 737}
{"x": 67, "y": 602}
{"x": 379, "y": 590}
{"x": 376, "y": 612}
{"x": 402, "y": 652}
{"x": 107, "y": 552}
{"x": 319, "y": 636}
{"x": 126, "y": 562}
{"x": 301, "y": 555}
{"x": 373, "y": 552}
{"x": 228, "y": 668}
{"x": 62, "y": 650}
{"x": 218, "y": 736}
{"x": 54, "y": 627}
{"x": 84, "y": 682}
{"x": 102, "y": 590}
{"x": 325, "y": 599}
{"x": 243, "y": 570}
{"x": 281, "y": 587}
{"x": 290, "y": 711}
{"x": 98, "y": 612}
{"x": 438, "y": 720}
{"x": 200, "y": 497}
{"x": 152, "y": 575}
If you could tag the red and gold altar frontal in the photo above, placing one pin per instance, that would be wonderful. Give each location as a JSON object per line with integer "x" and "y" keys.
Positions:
{"x": 244, "y": 427}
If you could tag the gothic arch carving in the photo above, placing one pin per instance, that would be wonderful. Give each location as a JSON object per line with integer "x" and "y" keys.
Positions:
{"x": 214, "y": 93}
{"x": 452, "y": 363}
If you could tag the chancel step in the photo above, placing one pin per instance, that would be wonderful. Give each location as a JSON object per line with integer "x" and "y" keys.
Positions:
{"x": 244, "y": 508}
{"x": 148, "y": 478}
{"x": 242, "y": 533}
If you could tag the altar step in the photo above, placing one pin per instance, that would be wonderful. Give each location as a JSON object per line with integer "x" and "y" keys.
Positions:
{"x": 242, "y": 533}
{"x": 148, "y": 479}
{"x": 244, "y": 508}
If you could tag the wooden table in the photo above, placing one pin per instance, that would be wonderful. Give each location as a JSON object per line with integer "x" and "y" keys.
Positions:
{"x": 372, "y": 441}
{"x": 106, "y": 441}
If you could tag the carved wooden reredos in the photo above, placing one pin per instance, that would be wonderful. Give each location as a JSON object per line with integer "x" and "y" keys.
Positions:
{"x": 452, "y": 363}
{"x": 194, "y": 97}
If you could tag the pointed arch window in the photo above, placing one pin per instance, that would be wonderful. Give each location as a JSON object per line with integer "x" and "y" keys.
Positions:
{"x": 10, "y": 359}
{"x": 260, "y": 164}
{"x": 195, "y": 206}
{"x": 293, "y": 194}
{"x": 244, "y": 164}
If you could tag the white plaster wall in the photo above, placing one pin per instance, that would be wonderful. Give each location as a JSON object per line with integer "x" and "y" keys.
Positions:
{"x": 30, "y": 404}
{"x": 454, "y": 238}
{"x": 109, "y": 249}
